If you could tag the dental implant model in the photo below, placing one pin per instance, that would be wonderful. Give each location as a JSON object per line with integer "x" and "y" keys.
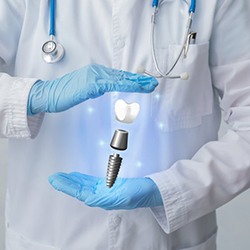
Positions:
{"x": 125, "y": 113}
{"x": 118, "y": 142}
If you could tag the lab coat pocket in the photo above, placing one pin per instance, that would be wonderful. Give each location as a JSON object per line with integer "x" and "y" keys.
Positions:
{"x": 179, "y": 104}
{"x": 16, "y": 241}
{"x": 209, "y": 244}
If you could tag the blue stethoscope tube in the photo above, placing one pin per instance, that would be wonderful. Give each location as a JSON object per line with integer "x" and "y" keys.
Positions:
{"x": 155, "y": 3}
{"x": 52, "y": 51}
{"x": 192, "y": 6}
{"x": 52, "y": 18}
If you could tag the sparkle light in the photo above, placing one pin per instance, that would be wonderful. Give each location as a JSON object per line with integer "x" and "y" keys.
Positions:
{"x": 139, "y": 164}
{"x": 101, "y": 143}
{"x": 161, "y": 125}
{"x": 90, "y": 110}
{"x": 158, "y": 96}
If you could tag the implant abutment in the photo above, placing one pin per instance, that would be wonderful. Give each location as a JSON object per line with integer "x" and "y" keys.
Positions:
{"x": 119, "y": 140}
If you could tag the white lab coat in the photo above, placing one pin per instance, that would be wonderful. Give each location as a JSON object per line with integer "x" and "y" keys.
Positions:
{"x": 173, "y": 140}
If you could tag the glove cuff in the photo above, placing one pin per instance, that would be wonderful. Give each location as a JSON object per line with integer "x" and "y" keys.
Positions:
{"x": 37, "y": 99}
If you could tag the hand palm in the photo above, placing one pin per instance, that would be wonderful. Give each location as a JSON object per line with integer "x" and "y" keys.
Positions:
{"x": 127, "y": 193}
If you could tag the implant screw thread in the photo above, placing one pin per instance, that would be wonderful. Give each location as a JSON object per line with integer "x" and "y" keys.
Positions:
{"x": 114, "y": 164}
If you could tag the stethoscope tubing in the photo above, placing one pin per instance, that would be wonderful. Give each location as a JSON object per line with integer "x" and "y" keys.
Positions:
{"x": 52, "y": 18}
{"x": 161, "y": 74}
{"x": 52, "y": 58}
{"x": 52, "y": 50}
{"x": 192, "y": 7}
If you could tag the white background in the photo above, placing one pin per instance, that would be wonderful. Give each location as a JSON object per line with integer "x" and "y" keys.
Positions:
{"x": 233, "y": 218}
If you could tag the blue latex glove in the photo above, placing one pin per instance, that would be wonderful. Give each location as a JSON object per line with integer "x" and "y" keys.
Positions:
{"x": 88, "y": 82}
{"x": 126, "y": 193}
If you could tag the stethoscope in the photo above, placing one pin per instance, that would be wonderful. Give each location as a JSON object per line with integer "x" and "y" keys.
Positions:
{"x": 54, "y": 51}
{"x": 189, "y": 38}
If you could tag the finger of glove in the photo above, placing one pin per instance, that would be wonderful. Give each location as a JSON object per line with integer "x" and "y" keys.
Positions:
{"x": 130, "y": 82}
{"x": 37, "y": 98}
{"x": 70, "y": 186}
{"x": 139, "y": 84}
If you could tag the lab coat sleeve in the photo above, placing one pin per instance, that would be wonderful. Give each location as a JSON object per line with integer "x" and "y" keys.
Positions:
{"x": 14, "y": 122}
{"x": 14, "y": 91}
{"x": 220, "y": 170}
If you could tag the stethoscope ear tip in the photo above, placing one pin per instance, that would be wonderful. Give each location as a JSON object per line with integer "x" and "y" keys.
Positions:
{"x": 184, "y": 76}
{"x": 140, "y": 69}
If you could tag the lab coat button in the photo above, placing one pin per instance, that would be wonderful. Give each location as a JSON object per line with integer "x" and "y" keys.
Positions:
{"x": 117, "y": 220}
{"x": 119, "y": 43}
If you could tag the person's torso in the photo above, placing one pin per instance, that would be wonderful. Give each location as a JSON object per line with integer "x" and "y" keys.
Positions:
{"x": 173, "y": 123}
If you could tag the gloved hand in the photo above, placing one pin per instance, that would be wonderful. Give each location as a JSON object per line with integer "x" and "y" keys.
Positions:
{"x": 88, "y": 82}
{"x": 126, "y": 193}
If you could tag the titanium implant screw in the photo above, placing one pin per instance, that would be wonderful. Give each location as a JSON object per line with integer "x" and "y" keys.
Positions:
{"x": 114, "y": 164}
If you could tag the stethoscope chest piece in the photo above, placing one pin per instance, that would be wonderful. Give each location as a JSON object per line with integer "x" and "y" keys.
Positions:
{"x": 52, "y": 51}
